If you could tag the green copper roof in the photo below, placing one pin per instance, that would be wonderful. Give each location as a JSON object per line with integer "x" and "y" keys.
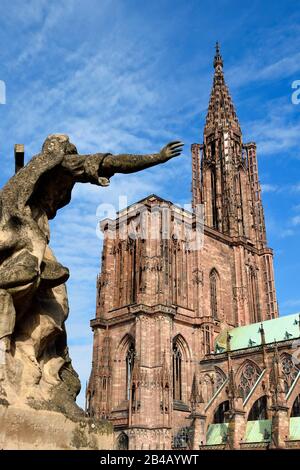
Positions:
{"x": 258, "y": 431}
{"x": 295, "y": 429}
{"x": 216, "y": 434}
{"x": 278, "y": 329}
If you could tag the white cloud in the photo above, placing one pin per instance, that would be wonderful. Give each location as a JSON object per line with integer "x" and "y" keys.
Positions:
{"x": 277, "y": 131}
{"x": 286, "y": 232}
{"x": 296, "y": 220}
{"x": 14, "y": 12}
{"x": 254, "y": 69}
{"x": 269, "y": 188}
{"x": 295, "y": 188}
{"x": 38, "y": 39}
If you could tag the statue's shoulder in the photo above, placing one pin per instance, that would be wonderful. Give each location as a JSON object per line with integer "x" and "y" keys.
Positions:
{"x": 20, "y": 187}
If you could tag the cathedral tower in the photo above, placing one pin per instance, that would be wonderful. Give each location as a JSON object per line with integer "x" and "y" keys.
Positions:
{"x": 163, "y": 299}
{"x": 226, "y": 181}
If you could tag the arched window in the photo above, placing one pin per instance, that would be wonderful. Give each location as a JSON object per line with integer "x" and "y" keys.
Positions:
{"x": 129, "y": 368}
{"x": 220, "y": 413}
{"x": 296, "y": 408}
{"x": 248, "y": 377}
{"x": 206, "y": 332}
{"x": 214, "y": 198}
{"x": 177, "y": 372}
{"x": 214, "y": 281}
{"x": 253, "y": 296}
{"x": 259, "y": 410}
{"x": 122, "y": 442}
{"x": 289, "y": 370}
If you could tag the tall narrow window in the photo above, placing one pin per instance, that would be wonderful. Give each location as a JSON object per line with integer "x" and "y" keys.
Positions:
{"x": 132, "y": 257}
{"x": 213, "y": 278}
{"x": 206, "y": 340}
{"x": 214, "y": 198}
{"x": 253, "y": 297}
{"x": 177, "y": 373}
{"x": 129, "y": 368}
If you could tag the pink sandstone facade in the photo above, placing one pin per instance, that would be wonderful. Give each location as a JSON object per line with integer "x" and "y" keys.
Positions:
{"x": 171, "y": 368}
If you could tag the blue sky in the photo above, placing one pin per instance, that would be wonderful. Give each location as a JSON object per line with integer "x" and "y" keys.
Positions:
{"x": 129, "y": 76}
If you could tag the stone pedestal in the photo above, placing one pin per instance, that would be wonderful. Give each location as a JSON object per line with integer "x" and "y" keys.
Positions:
{"x": 26, "y": 429}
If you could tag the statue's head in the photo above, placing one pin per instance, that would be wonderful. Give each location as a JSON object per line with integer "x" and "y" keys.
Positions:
{"x": 58, "y": 143}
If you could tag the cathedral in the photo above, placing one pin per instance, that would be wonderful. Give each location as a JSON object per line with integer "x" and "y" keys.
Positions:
{"x": 189, "y": 351}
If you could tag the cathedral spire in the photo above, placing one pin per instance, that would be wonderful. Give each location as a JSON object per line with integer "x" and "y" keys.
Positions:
{"x": 221, "y": 112}
{"x": 218, "y": 58}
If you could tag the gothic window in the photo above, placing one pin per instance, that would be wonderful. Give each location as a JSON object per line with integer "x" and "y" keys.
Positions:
{"x": 133, "y": 290}
{"x": 214, "y": 287}
{"x": 220, "y": 413}
{"x": 133, "y": 395}
{"x": 248, "y": 378}
{"x": 289, "y": 371}
{"x": 177, "y": 372}
{"x": 104, "y": 384}
{"x": 214, "y": 198}
{"x": 213, "y": 149}
{"x": 206, "y": 339}
{"x": 253, "y": 296}
{"x": 259, "y": 410}
{"x": 296, "y": 408}
{"x": 129, "y": 368}
{"x": 122, "y": 442}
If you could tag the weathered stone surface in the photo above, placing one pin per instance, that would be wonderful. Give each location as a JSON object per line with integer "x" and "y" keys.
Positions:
{"x": 24, "y": 428}
{"x": 35, "y": 365}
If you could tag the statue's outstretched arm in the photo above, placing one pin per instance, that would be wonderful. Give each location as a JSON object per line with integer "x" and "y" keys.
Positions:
{"x": 99, "y": 167}
{"x": 132, "y": 163}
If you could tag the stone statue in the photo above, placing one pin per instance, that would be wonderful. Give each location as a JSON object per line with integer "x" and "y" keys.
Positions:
{"x": 35, "y": 367}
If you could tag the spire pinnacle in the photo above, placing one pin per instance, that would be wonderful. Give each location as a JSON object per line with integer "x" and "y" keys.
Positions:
{"x": 221, "y": 112}
{"x": 218, "y": 58}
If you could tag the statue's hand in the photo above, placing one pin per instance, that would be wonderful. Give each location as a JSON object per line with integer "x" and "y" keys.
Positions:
{"x": 173, "y": 149}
